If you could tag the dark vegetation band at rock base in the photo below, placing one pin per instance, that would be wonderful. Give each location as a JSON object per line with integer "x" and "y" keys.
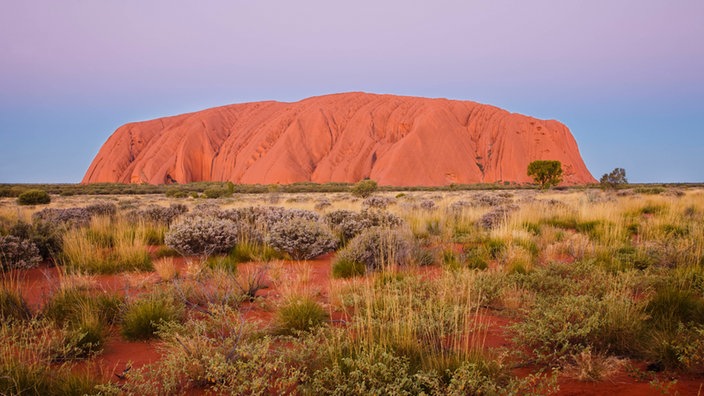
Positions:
{"x": 583, "y": 289}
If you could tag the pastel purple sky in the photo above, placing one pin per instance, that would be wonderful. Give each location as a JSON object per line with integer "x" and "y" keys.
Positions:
{"x": 627, "y": 77}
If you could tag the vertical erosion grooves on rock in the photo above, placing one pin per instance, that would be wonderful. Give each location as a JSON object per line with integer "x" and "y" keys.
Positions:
{"x": 395, "y": 140}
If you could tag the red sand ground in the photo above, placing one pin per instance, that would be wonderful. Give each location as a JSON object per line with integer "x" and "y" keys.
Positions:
{"x": 118, "y": 353}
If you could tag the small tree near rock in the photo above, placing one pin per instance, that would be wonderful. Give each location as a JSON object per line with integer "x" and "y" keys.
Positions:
{"x": 363, "y": 188}
{"x": 613, "y": 180}
{"x": 546, "y": 173}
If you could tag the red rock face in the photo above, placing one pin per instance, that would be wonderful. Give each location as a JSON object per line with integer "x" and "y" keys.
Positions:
{"x": 394, "y": 140}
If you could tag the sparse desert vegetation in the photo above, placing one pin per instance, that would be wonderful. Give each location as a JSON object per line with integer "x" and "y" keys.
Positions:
{"x": 416, "y": 292}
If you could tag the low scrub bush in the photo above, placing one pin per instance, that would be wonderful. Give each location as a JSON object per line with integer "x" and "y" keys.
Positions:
{"x": 348, "y": 224}
{"x": 556, "y": 329}
{"x": 496, "y": 216}
{"x": 16, "y": 253}
{"x": 70, "y": 217}
{"x": 377, "y": 202}
{"x": 45, "y": 236}
{"x": 202, "y": 235}
{"x": 158, "y": 214}
{"x": 368, "y": 373}
{"x": 107, "y": 209}
{"x": 679, "y": 348}
{"x": 34, "y": 197}
{"x": 378, "y": 248}
{"x": 301, "y": 238}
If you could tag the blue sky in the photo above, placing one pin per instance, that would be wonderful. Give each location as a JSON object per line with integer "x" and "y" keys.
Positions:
{"x": 626, "y": 77}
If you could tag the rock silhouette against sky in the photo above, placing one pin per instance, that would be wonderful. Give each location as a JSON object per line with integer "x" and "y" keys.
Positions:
{"x": 394, "y": 140}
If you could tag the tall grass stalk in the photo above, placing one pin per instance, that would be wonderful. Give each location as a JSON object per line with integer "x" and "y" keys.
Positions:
{"x": 106, "y": 246}
{"x": 436, "y": 324}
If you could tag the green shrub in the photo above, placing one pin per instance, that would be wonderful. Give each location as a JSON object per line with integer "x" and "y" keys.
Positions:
{"x": 299, "y": 314}
{"x": 556, "y": 329}
{"x": 679, "y": 348}
{"x": 344, "y": 268}
{"x": 363, "y": 188}
{"x": 34, "y": 197}
{"x": 369, "y": 373}
{"x": 216, "y": 192}
{"x": 143, "y": 317}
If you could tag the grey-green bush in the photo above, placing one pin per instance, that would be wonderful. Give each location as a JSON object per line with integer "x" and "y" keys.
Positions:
{"x": 301, "y": 238}
{"x": 378, "y": 247}
{"x": 17, "y": 253}
{"x": 201, "y": 235}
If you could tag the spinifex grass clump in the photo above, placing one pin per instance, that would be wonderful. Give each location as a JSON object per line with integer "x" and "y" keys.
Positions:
{"x": 299, "y": 313}
{"x": 68, "y": 304}
{"x": 29, "y": 367}
{"x": 248, "y": 250}
{"x": 675, "y": 327}
{"x": 143, "y": 316}
{"x": 83, "y": 317}
{"x": 107, "y": 246}
{"x": 12, "y": 304}
{"x": 411, "y": 335}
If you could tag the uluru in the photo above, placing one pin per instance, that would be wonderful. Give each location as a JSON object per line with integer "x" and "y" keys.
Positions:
{"x": 394, "y": 140}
